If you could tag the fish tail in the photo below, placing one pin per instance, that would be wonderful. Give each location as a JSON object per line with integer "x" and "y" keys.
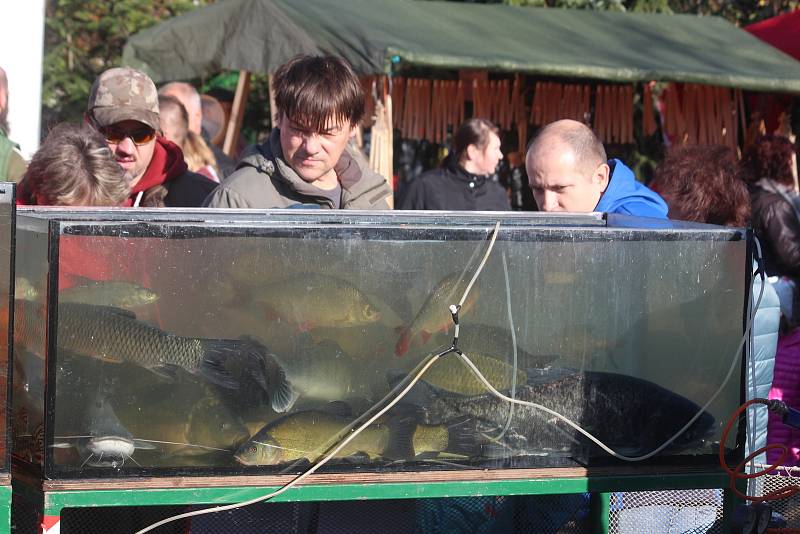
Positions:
{"x": 212, "y": 365}
{"x": 259, "y": 364}
{"x": 401, "y": 437}
{"x": 403, "y": 343}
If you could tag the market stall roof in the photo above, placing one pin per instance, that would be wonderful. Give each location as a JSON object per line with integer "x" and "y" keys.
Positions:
{"x": 782, "y": 32}
{"x": 259, "y": 35}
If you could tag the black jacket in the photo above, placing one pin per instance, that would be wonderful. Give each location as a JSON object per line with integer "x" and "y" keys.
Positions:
{"x": 188, "y": 190}
{"x": 777, "y": 225}
{"x": 450, "y": 187}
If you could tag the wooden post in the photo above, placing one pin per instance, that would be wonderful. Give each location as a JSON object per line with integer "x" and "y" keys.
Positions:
{"x": 273, "y": 111}
{"x": 237, "y": 113}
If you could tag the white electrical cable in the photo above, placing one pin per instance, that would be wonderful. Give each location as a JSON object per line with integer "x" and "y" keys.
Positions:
{"x": 295, "y": 481}
{"x": 666, "y": 444}
{"x": 514, "y": 350}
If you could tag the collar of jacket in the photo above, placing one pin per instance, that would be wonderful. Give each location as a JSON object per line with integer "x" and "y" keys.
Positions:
{"x": 347, "y": 170}
{"x": 463, "y": 175}
{"x": 167, "y": 163}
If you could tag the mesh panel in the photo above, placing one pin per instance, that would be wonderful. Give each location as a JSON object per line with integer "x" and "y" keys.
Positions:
{"x": 556, "y": 514}
{"x": 788, "y": 508}
{"x": 24, "y": 516}
{"x": 120, "y": 520}
{"x": 684, "y": 511}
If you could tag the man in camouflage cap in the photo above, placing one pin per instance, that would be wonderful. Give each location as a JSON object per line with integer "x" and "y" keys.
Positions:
{"x": 123, "y": 106}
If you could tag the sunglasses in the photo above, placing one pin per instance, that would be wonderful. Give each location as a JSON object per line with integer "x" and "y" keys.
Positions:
{"x": 139, "y": 136}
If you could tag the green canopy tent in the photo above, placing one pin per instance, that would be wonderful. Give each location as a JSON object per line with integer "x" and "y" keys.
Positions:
{"x": 259, "y": 35}
{"x": 382, "y": 36}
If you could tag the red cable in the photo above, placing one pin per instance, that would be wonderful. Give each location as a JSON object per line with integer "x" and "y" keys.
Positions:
{"x": 737, "y": 474}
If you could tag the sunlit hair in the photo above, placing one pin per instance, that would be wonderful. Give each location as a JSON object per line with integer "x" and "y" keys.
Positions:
{"x": 197, "y": 153}
{"x": 172, "y": 112}
{"x": 703, "y": 184}
{"x": 74, "y": 167}
{"x": 587, "y": 147}
{"x": 770, "y": 156}
{"x": 310, "y": 91}
{"x": 473, "y": 132}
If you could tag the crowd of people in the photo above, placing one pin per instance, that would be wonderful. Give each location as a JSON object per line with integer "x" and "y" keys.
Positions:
{"x": 139, "y": 146}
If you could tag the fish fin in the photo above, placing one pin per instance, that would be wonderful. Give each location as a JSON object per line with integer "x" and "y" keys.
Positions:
{"x": 212, "y": 366}
{"x": 281, "y": 394}
{"x": 115, "y": 310}
{"x": 165, "y": 371}
{"x": 403, "y": 343}
{"x": 425, "y": 335}
{"x": 401, "y": 437}
{"x": 144, "y": 445}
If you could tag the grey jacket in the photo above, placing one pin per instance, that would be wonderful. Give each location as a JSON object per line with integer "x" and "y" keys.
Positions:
{"x": 263, "y": 179}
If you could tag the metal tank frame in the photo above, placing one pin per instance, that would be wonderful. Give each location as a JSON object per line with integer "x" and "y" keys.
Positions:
{"x": 52, "y": 495}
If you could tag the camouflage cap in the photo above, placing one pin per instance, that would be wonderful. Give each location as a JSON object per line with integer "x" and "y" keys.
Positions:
{"x": 122, "y": 94}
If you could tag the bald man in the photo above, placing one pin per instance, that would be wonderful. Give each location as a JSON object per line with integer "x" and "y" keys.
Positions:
{"x": 12, "y": 164}
{"x": 568, "y": 171}
{"x": 190, "y": 98}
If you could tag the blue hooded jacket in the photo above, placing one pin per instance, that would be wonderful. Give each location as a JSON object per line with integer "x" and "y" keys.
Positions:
{"x": 625, "y": 195}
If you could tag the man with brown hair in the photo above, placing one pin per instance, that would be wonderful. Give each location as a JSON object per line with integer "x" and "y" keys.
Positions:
{"x": 306, "y": 160}
{"x": 123, "y": 107}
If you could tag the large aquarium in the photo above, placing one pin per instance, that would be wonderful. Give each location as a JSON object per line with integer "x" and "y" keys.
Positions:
{"x": 222, "y": 342}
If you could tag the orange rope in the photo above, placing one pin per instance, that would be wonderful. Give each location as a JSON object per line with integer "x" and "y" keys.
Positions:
{"x": 737, "y": 474}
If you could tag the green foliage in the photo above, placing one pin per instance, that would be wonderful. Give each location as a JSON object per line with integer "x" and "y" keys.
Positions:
{"x": 84, "y": 38}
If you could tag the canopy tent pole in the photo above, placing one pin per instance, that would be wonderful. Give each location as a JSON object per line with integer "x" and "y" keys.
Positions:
{"x": 237, "y": 114}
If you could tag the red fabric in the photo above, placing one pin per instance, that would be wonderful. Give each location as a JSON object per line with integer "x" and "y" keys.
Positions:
{"x": 782, "y": 32}
{"x": 167, "y": 163}
{"x": 785, "y": 387}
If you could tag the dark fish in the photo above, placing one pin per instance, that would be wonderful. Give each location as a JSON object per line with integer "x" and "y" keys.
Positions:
{"x": 114, "y": 335}
{"x": 630, "y": 415}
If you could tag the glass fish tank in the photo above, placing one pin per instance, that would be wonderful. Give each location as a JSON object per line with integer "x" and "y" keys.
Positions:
{"x": 214, "y": 342}
{"x": 7, "y": 223}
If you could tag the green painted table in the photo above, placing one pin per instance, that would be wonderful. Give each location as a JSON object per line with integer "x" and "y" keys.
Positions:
{"x": 53, "y": 496}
